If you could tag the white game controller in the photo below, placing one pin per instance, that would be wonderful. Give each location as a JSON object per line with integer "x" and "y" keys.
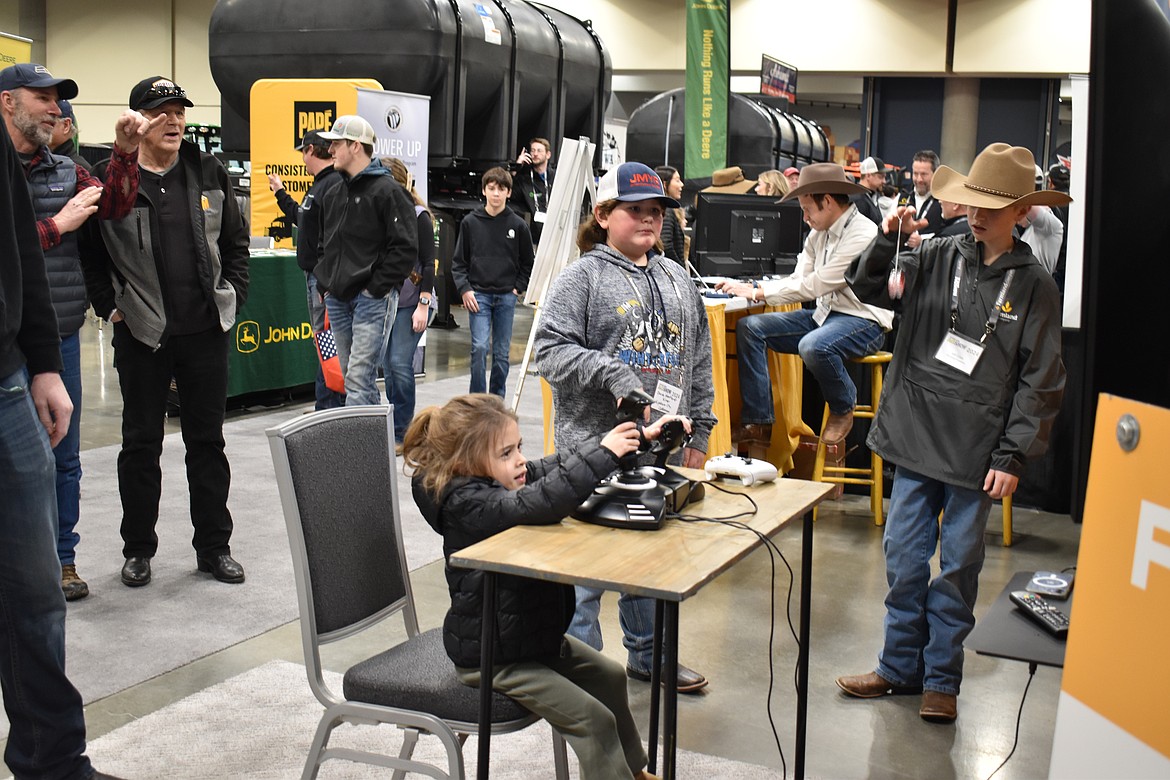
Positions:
{"x": 749, "y": 471}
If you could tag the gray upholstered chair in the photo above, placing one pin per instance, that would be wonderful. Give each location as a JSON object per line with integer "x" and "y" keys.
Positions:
{"x": 338, "y": 488}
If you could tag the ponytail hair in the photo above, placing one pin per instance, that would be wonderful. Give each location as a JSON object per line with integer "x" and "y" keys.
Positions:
{"x": 454, "y": 440}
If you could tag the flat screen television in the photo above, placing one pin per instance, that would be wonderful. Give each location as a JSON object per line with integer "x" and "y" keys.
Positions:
{"x": 745, "y": 235}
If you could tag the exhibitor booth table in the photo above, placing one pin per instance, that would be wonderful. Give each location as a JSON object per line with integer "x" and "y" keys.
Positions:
{"x": 272, "y": 344}
{"x": 669, "y": 565}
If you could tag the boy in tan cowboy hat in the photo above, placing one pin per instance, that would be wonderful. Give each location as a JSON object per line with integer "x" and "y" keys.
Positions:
{"x": 972, "y": 391}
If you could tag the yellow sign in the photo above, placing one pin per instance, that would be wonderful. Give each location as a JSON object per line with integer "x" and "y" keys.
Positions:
{"x": 14, "y": 50}
{"x": 283, "y": 110}
{"x": 1119, "y": 637}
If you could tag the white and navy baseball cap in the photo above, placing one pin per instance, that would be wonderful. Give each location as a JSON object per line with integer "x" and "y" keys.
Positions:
{"x": 350, "y": 127}
{"x": 630, "y": 182}
{"x": 30, "y": 74}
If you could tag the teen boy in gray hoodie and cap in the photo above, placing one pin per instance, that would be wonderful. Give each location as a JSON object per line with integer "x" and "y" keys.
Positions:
{"x": 624, "y": 317}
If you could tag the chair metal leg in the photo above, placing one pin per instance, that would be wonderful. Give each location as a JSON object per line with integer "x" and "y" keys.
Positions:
{"x": 560, "y": 756}
{"x": 409, "y": 740}
{"x": 317, "y": 748}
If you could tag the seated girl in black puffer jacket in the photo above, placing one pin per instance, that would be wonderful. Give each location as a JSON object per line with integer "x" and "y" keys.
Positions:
{"x": 471, "y": 481}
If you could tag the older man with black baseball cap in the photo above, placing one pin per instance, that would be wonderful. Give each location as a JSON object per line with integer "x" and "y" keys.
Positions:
{"x": 171, "y": 277}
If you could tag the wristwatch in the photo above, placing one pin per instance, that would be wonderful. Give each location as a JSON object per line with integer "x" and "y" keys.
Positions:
{"x": 425, "y": 300}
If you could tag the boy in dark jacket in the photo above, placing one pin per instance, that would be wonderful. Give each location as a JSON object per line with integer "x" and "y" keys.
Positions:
{"x": 471, "y": 482}
{"x": 491, "y": 266}
{"x": 971, "y": 393}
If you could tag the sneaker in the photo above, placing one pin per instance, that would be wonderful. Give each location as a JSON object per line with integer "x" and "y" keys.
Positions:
{"x": 72, "y": 586}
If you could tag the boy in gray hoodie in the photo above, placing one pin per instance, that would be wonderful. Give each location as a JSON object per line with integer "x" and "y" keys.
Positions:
{"x": 625, "y": 317}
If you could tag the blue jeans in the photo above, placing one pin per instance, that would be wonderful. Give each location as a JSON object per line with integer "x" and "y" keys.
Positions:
{"x": 398, "y": 368}
{"x": 47, "y": 735}
{"x": 326, "y": 398}
{"x": 636, "y": 615}
{"x": 361, "y": 329}
{"x": 823, "y": 349}
{"x": 67, "y": 454}
{"x": 927, "y": 620}
{"x": 494, "y": 321}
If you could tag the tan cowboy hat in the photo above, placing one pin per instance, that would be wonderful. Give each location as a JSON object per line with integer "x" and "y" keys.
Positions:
{"x": 730, "y": 180}
{"x": 1001, "y": 176}
{"x": 823, "y": 179}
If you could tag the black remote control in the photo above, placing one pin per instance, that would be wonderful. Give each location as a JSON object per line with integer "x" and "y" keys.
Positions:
{"x": 1047, "y": 616}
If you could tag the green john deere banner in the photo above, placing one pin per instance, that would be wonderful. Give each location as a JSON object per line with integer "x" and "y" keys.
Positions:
{"x": 708, "y": 73}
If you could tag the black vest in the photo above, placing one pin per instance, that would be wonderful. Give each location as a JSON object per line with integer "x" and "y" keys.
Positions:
{"x": 52, "y": 183}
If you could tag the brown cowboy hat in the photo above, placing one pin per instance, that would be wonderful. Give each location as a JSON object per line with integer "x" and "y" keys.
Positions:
{"x": 1001, "y": 176}
{"x": 823, "y": 179}
{"x": 730, "y": 180}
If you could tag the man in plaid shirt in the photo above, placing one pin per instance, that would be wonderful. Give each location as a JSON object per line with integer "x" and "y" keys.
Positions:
{"x": 64, "y": 196}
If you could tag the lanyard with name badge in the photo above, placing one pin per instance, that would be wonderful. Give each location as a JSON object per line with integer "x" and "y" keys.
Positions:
{"x": 963, "y": 352}
{"x": 667, "y": 395}
{"x": 824, "y": 302}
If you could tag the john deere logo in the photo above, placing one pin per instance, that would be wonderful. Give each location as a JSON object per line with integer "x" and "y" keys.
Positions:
{"x": 248, "y": 336}
{"x": 394, "y": 118}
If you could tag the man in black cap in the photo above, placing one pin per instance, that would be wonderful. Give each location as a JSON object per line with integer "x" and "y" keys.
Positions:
{"x": 319, "y": 163}
{"x": 64, "y": 196}
{"x": 171, "y": 277}
{"x": 64, "y": 141}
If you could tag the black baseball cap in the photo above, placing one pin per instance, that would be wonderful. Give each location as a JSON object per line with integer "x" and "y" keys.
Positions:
{"x": 153, "y": 91}
{"x": 29, "y": 74}
{"x": 312, "y": 138}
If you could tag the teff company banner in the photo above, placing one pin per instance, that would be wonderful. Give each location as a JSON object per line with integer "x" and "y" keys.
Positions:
{"x": 708, "y": 82}
{"x": 283, "y": 110}
{"x": 401, "y": 123}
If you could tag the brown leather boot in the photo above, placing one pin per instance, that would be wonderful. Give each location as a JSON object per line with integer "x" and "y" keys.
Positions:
{"x": 758, "y": 433}
{"x": 872, "y": 685}
{"x": 72, "y": 586}
{"x": 939, "y": 707}
{"x": 837, "y": 427}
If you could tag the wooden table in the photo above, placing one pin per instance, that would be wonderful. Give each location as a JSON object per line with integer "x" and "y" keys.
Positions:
{"x": 668, "y": 565}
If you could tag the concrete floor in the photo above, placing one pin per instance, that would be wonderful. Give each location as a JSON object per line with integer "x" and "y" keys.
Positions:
{"x": 725, "y": 634}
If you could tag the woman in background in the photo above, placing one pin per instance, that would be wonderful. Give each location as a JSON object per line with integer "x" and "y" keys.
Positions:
{"x": 675, "y": 243}
{"x": 414, "y": 310}
{"x": 772, "y": 184}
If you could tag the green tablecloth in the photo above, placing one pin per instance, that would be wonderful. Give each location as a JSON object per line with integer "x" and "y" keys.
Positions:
{"x": 272, "y": 343}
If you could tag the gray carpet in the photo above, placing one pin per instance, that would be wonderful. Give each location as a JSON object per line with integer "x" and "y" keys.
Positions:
{"x": 259, "y": 725}
{"x": 121, "y": 636}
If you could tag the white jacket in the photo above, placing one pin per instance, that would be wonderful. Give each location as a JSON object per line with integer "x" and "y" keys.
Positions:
{"x": 821, "y": 267}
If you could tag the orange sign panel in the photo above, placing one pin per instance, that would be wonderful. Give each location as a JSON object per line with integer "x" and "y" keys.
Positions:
{"x": 1119, "y": 637}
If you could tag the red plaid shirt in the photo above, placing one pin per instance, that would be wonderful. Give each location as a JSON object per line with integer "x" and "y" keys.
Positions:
{"x": 121, "y": 190}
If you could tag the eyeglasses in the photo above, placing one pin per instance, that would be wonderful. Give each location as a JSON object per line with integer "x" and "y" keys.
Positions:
{"x": 162, "y": 91}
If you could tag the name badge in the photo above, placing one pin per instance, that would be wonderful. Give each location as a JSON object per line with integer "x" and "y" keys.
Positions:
{"x": 667, "y": 398}
{"x": 822, "y": 312}
{"x": 539, "y": 216}
{"x": 959, "y": 352}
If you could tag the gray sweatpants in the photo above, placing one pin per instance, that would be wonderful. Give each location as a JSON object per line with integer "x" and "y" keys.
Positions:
{"x": 583, "y": 696}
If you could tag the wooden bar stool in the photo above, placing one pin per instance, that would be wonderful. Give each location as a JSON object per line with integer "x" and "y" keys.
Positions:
{"x": 844, "y": 475}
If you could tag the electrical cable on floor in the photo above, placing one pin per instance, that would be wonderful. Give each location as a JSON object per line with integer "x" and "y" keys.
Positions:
{"x": 773, "y": 550}
{"x": 1019, "y": 717}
